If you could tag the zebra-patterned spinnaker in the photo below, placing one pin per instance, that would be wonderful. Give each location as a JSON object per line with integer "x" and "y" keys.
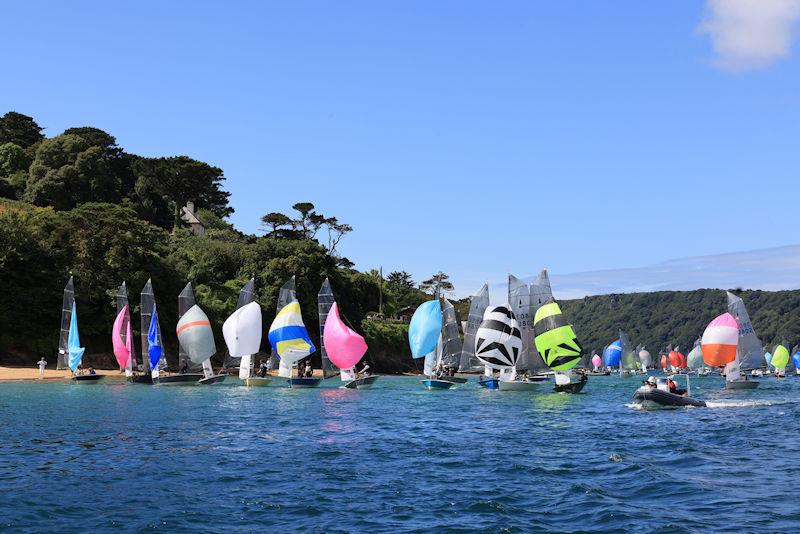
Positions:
{"x": 498, "y": 341}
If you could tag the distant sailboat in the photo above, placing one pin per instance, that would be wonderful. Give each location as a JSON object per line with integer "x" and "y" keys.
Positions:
{"x": 245, "y": 362}
{"x": 62, "y": 362}
{"x": 195, "y": 334}
{"x": 780, "y": 359}
{"x": 290, "y": 340}
{"x": 694, "y": 360}
{"x": 645, "y": 359}
{"x": 478, "y": 304}
{"x": 424, "y": 334}
{"x": 597, "y": 362}
{"x": 122, "y": 335}
{"x": 558, "y": 345}
{"x": 628, "y": 360}
{"x": 612, "y": 354}
{"x": 796, "y": 358}
{"x": 498, "y": 344}
{"x": 189, "y": 372}
{"x": 242, "y": 333}
{"x": 749, "y": 351}
{"x": 75, "y": 351}
{"x": 676, "y": 360}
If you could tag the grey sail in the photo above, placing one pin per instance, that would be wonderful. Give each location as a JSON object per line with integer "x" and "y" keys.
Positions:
{"x": 629, "y": 360}
{"x": 324, "y": 302}
{"x": 185, "y": 302}
{"x": 478, "y": 305}
{"x": 750, "y": 351}
{"x": 246, "y": 296}
{"x": 62, "y": 362}
{"x": 519, "y": 297}
{"x": 541, "y": 294}
{"x": 790, "y": 367}
{"x": 121, "y": 301}
{"x": 147, "y": 301}
{"x": 451, "y": 339}
{"x": 287, "y": 294}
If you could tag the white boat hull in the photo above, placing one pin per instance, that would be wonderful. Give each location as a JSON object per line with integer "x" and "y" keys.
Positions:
{"x": 257, "y": 381}
{"x": 741, "y": 384}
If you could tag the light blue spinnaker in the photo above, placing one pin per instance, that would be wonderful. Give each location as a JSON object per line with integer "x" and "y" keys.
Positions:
{"x": 154, "y": 348}
{"x": 613, "y": 354}
{"x": 74, "y": 341}
{"x": 425, "y": 328}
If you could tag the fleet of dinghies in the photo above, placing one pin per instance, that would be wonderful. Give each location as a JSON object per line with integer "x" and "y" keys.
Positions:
{"x": 516, "y": 346}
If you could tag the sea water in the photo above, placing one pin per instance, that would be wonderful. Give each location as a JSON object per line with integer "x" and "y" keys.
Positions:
{"x": 122, "y": 457}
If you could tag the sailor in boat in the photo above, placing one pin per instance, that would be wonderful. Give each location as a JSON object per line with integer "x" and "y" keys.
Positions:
{"x": 673, "y": 386}
{"x": 184, "y": 367}
{"x": 309, "y": 369}
{"x": 365, "y": 371}
{"x": 262, "y": 369}
{"x": 92, "y": 371}
{"x": 650, "y": 382}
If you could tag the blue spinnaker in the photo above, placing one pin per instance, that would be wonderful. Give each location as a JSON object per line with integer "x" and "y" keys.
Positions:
{"x": 612, "y": 354}
{"x": 796, "y": 359}
{"x": 425, "y": 328}
{"x": 768, "y": 358}
{"x": 154, "y": 348}
{"x": 74, "y": 341}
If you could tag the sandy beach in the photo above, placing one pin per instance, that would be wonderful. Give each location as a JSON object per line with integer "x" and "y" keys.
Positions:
{"x": 32, "y": 373}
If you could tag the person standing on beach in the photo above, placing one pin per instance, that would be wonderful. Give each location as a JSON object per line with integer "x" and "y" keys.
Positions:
{"x": 42, "y": 364}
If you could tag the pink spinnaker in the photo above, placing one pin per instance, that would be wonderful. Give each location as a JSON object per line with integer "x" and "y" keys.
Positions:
{"x": 122, "y": 349}
{"x": 344, "y": 346}
{"x": 597, "y": 361}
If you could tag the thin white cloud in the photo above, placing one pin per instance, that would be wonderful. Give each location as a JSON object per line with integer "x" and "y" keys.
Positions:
{"x": 750, "y": 34}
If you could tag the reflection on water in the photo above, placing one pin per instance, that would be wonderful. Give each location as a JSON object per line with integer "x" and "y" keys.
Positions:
{"x": 204, "y": 459}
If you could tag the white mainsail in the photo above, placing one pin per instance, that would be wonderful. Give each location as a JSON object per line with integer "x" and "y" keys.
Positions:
{"x": 519, "y": 298}
{"x": 749, "y": 351}
{"x": 541, "y": 294}
{"x": 478, "y": 304}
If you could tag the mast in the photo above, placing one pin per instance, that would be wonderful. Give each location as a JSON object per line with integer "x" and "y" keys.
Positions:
{"x": 185, "y": 302}
{"x": 478, "y": 304}
{"x": 380, "y": 291}
{"x": 62, "y": 362}
{"x": 519, "y": 297}
{"x": 324, "y": 302}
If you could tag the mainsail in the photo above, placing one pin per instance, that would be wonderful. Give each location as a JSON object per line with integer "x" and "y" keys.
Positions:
{"x": 478, "y": 305}
{"x": 555, "y": 340}
{"x": 498, "y": 343}
{"x": 246, "y": 296}
{"x": 185, "y": 303}
{"x": 147, "y": 307}
{"x": 519, "y": 297}
{"x": 541, "y": 294}
{"x": 62, "y": 361}
{"x": 324, "y": 302}
{"x": 451, "y": 340}
{"x": 750, "y": 350}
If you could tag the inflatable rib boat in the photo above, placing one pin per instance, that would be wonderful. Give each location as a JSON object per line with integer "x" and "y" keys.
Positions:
{"x": 660, "y": 397}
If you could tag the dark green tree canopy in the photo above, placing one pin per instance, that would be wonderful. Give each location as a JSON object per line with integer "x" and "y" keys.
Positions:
{"x": 19, "y": 129}
{"x": 438, "y": 282}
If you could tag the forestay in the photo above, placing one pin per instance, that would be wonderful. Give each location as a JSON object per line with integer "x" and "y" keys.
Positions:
{"x": 478, "y": 304}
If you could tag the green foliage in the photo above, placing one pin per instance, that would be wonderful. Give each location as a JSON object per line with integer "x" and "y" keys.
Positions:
{"x": 388, "y": 347}
{"x": 19, "y": 129}
{"x": 439, "y": 282}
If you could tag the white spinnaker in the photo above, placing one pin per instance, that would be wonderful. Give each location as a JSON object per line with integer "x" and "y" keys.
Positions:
{"x": 242, "y": 333}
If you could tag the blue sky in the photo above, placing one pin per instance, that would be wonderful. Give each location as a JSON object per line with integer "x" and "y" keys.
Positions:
{"x": 476, "y": 138}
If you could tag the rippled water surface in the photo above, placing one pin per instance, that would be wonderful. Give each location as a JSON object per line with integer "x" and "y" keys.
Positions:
{"x": 76, "y": 457}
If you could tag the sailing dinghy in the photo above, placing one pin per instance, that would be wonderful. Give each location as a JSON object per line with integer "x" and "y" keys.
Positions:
{"x": 498, "y": 345}
{"x": 749, "y": 351}
{"x": 289, "y": 338}
{"x": 122, "y": 339}
{"x": 450, "y": 348}
{"x": 629, "y": 364}
{"x": 153, "y": 359}
{"x": 62, "y": 362}
{"x": 75, "y": 351}
{"x": 780, "y": 359}
{"x": 558, "y": 345}
{"x": 244, "y": 363}
{"x": 189, "y": 373}
{"x": 196, "y": 336}
{"x": 424, "y": 336}
{"x": 345, "y": 349}
{"x": 478, "y": 304}
{"x": 242, "y": 333}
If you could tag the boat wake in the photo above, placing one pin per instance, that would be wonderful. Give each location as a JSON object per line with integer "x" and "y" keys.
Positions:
{"x": 746, "y": 403}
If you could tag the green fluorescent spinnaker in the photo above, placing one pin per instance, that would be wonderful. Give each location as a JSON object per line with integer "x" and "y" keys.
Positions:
{"x": 555, "y": 340}
{"x": 780, "y": 358}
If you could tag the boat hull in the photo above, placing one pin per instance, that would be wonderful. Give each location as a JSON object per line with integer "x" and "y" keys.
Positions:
{"x": 189, "y": 379}
{"x": 435, "y": 383}
{"x": 141, "y": 379}
{"x": 489, "y": 383}
{"x": 518, "y": 385}
{"x": 454, "y": 379}
{"x": 361, "y": 383}
{"x": 257, "y": 381}
{"x": 741, "y": 384}
{"x": 213, "y": 379}
{"x": 304, "y": 382}
{"x": 652, "y": 398}
{"x": 572, "y": 387}
{"x": 600, "y": 373}
{"x": 87, "y": 379}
